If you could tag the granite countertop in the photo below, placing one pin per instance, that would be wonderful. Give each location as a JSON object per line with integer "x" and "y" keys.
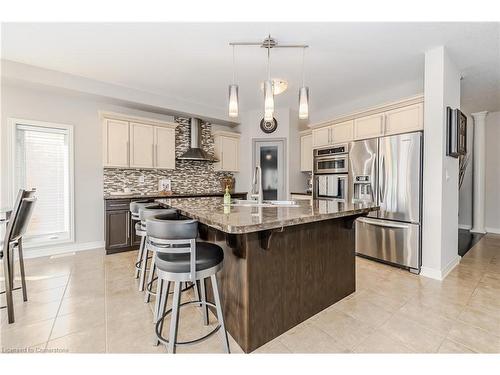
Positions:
{"x": 239, "y": 219}
{"x": 174, "y": 195}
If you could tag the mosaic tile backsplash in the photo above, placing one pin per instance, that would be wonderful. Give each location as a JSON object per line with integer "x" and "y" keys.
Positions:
{"x": 187, "y": 177}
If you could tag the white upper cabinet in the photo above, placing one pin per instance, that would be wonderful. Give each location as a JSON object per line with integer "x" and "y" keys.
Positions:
{"x": 138, "y": 144}
{"x": 306, "y": 152}
{"x": 342, "y": 132}
{"x": 369, "y": 126}
{"x": 116, "y": 143}
{"x": 142, "y": 150}
{"x": 164, "y": 148}
{"x": 405, "y": 119}
{"x": 227, "y": 149}
{"x": 321, "y": 137}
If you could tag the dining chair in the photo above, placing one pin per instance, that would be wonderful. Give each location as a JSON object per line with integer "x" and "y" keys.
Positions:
{"x": 16, "y": 227}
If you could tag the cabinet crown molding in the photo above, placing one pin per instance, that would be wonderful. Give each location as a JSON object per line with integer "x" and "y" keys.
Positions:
{"x": 371, "y": 111}
{"x": 104, "y": 115}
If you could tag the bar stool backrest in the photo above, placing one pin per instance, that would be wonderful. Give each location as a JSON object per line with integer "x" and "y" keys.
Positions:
{"x": 174, "y": 236}
{"x": 149, "y": 211}
{"x": 137, "y": 205}
{"x": 22, "y": 194}
{"x": 22, "y": 218}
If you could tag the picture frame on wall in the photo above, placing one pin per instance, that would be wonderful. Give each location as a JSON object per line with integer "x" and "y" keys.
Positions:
{"x": 456, "y": 133}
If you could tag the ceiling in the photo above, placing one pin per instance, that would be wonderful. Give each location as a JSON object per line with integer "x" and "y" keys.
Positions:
{"x": 193, "y": 62}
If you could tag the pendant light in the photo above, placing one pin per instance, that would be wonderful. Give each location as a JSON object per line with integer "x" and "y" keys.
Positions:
{"x": 233, "y": 94}
{"x": 303, "y": 94}
{"x": 268, "y": 90}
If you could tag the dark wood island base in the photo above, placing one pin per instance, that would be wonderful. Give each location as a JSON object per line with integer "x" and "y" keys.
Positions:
{"x": 265, "y": 292}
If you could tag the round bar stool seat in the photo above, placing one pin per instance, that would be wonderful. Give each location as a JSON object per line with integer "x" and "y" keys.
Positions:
{"x": 180, "y": 258}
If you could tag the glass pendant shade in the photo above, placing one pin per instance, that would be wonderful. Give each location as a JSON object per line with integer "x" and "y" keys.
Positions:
{"x": 304, "y": 103}
{"x": 268, "y": 101}
{"x": 233, "y": 100}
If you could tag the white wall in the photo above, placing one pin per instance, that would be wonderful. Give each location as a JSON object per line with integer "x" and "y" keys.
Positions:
{"x": 440, "y": 180}
{"x": 81, "y": 112}
{"x": 492, "y": 183}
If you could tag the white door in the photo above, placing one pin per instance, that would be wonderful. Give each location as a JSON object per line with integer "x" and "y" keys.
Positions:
{"x": 342, "y": 132}
{"x": 229, "y": 154}
{"x": 142, "y": 145}
{"x": 321, "y": 137}
{"x": 165, "y": 148}
{"x": 116, "y": 143}
{"x": 306, "y": 153}
{"x": 270, "y": 156}
{"x": 404, "y": 120}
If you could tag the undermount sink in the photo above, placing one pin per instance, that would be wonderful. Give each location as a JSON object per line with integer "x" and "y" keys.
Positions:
{"x": 254, "y": 203}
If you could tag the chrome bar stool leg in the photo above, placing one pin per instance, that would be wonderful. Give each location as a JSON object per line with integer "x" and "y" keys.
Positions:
{"x": 161, "y": 304}
{"x": 203, "y": 298}
{"x": 218, "y": 307}
{"x": 21, "y": 266}
{"x": 144, "y": 267}
{"x": 139, "y": 256}
{"x": 7, "y": 271}
{"x": 174, "y": 322}
{"x": 149, "y": 284}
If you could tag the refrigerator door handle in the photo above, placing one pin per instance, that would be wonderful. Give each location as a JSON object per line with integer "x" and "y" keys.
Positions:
{"x": 381, "y": 185}
{"x": 383, "y": 224}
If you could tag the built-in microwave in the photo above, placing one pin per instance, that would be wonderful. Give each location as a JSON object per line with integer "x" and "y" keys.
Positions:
{"x": 334, "y": 159}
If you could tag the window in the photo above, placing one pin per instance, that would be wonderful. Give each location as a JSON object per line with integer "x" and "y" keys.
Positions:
{"x": 43, "y": 159}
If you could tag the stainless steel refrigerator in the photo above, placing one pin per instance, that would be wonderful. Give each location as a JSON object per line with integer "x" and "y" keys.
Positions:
{"x": 393, "y": 234}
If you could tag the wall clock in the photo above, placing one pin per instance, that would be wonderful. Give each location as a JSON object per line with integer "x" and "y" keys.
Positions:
{"x": 268, "y": 126}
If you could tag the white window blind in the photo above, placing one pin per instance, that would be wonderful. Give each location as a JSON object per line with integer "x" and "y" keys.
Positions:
{"x": 42, "y": 161}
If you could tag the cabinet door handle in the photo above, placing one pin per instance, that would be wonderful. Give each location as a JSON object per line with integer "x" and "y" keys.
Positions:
{"x": 153, "y": 154}
{"x": 128, "y": 152}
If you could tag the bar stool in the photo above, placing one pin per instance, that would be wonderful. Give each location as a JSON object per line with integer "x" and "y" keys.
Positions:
{"x": 140, "y": 230}
{"x": 134, "y": 212}
{"x": 16, "y": 228}
{"x": 180, "y": 258}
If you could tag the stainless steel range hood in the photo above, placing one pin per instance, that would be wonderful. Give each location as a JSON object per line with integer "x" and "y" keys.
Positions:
{"x": 195, "y": 152}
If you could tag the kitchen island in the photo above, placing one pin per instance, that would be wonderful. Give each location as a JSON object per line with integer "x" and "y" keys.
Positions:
{"x": 282, "y": 265}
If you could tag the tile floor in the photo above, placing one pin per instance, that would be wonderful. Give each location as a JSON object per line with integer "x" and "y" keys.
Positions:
{"x": 88, "y": 302}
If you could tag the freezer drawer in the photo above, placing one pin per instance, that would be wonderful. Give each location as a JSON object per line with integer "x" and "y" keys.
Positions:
{"x": 390, "y": 241}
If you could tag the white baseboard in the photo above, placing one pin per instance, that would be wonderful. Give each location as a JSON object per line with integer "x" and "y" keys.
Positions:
{"x": 492, "y": 230}
{"x": 465, "y": 226}
{"x": 436, "y": 274}
{"x": 62, "y": 249}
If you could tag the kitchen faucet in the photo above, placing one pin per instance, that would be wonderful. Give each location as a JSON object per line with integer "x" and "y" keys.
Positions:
{"x": 257, "y": 185}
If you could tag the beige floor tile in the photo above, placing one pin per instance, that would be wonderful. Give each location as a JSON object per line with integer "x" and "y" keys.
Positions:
{"x": 92, "y": 340}
{"x": 32, "y": 312}
{"x": 76, "y": 322}
{"x": 82, "y": 305}
{"x": 481, "y": 319}
{"x": 272, "y": 347}
{"x": 35, "y": 285}
{"x": 19, "y": 335}
{"x": 306, "y": 338}
{"x": 347, "y": 330}
{"x": 361, "y": 308}
{"x": 474, "y": 338}
{"x": 432, "y": 319}
{"x": 412, "y": 334}
{"x": 380, "y": 342}
{"x": 452, "y": 347}
{"x": 43, "y": 296}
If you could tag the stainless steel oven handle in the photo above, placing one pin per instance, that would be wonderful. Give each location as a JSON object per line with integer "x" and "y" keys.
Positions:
{"x": 382, "y": 224}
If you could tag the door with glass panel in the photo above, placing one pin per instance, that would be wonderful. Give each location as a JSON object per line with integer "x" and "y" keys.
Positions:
{"x": 270, "y": 156}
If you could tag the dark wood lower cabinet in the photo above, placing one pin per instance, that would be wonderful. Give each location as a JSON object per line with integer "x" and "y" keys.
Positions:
{"x": 117, "y": 229}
